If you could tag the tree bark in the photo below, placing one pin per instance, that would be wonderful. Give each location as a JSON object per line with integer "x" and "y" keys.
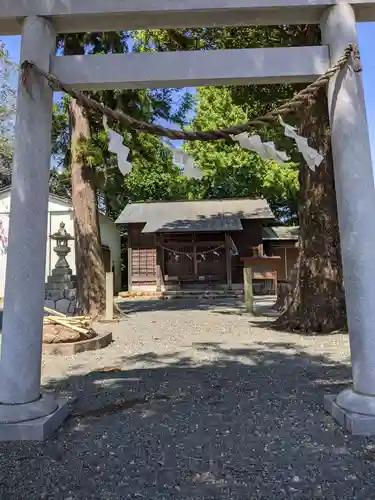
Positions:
{"x": 89, "y": 257}
{"x": 317, "y": 304}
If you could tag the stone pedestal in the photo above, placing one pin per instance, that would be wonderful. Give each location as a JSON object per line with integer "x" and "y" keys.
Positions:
{"x": 22, "y": 406}
{"x": 353, "y": 408}
{"x": 61, "y": 300}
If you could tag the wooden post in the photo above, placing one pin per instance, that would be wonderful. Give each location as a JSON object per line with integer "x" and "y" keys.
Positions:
{"x": 248, "y": 288}
{"x": 162, "y": 266}
{"x": 130, "y": 266}
{"x": 286, "y": 262}
{"x": 228, "y": 260}
{"x": 109, "y": 299}
{"x": 195, "y": 262}
{"x": 159, "y": 277}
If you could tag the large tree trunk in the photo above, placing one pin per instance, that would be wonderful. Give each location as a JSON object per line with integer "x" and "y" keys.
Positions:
{"x": 317, "y": 304}
{"x": 89, "y": 257}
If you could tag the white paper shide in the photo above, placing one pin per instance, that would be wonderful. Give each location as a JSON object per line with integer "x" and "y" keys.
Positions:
{"x": 187, "y": 162}
{"x": 311, "y": 155}
{"x": 117, "y": 147}
{"x": 268, "y": 151}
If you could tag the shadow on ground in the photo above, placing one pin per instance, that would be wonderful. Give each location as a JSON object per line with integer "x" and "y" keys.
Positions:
{"x": 263, "y": 305}
{"x": 135, "y": 306}
{"x": 247, "y": 425}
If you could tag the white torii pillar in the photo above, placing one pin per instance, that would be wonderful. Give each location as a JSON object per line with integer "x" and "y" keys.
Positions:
{"x": 25, "y": 413}
{"x": 354, "y": 180}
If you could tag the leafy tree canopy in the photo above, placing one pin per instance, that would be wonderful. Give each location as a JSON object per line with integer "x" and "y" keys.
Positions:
{"x": 153, "y": 176}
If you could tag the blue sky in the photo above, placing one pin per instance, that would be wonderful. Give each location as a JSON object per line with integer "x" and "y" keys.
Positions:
{"x": 366, "y": 33}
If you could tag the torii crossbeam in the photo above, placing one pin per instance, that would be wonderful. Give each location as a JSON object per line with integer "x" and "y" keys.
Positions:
{"x": 73, "y": 16}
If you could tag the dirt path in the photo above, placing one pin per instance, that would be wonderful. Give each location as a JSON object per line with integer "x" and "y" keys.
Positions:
{"x": 218, "y": 406}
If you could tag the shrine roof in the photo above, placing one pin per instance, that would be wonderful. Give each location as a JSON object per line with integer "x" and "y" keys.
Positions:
{"x": 195, "y": 216}
{"x": 281, "y": 233}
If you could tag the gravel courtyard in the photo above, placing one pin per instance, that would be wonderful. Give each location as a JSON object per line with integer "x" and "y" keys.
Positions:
{"x": 195, "y": 401}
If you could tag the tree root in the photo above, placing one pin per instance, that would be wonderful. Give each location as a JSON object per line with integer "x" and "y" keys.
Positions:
{"x": 311, "y": 322}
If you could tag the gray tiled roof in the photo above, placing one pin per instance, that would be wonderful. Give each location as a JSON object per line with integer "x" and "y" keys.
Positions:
{"x": 195, "y": 216}
{"x": 281, "y": 233}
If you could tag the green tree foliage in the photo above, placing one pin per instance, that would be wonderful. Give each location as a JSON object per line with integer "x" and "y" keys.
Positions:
{"x": 153, "y": 176}
{"x": 231, "y": 171}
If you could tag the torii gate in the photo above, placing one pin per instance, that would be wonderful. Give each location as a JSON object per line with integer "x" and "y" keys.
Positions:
{"x": 25, "y": 413}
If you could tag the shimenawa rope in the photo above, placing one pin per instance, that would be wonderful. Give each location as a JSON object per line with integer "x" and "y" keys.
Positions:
{"x": 306, "y": 95}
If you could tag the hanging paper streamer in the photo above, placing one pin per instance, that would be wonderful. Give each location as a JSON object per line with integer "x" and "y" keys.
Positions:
{"x": 311, "y": 155}
{"x": 117, "y": 147}
{"x": 3, "y": 240}
{"x": 265, "y": 150}
{"x": 233, "y": 249}
{"x": 182, "y": 158}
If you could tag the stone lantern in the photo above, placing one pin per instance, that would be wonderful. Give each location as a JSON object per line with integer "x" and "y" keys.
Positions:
{"x": 62, "y": 237}
{"x": 61, "y": 290}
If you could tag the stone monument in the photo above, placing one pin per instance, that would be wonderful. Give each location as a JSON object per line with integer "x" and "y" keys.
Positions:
{"x": 61, "y": 291}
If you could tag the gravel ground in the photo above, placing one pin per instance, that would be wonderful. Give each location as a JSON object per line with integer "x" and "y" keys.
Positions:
{"x": 219, "y": 407}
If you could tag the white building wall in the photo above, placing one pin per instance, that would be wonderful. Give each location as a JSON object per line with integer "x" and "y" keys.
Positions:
{"x": 61, "y": 211}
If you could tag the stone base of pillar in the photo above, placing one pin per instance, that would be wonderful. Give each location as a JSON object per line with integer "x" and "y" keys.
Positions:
{"x": 36, "y": 428}
{"x": 358, "y": 424}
